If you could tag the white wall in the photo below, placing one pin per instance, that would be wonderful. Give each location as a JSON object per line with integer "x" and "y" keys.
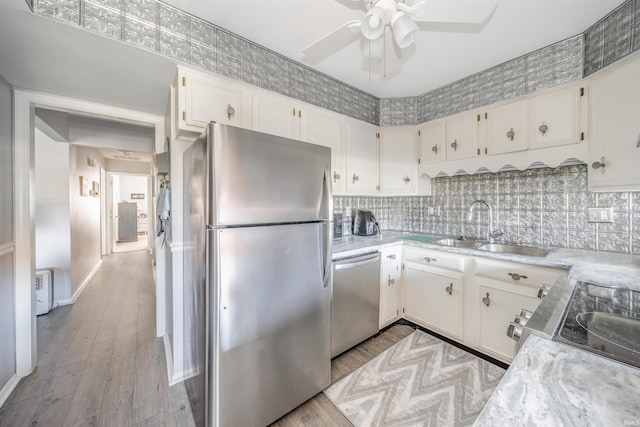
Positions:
{"x": 134, "y": 184}
{"x": 84, "y": 216}
{"x": 53, "y": 227}
{"x": 8, "y": 378}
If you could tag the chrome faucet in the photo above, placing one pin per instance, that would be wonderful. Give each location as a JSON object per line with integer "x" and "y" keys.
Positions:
{"x": 492, "y": 235}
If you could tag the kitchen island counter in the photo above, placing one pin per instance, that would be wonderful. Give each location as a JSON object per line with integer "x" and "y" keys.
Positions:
{"x": 553, "y": 384}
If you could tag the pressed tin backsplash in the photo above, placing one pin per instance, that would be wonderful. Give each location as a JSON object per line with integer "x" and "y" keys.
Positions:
{"x": 543, "y": 207}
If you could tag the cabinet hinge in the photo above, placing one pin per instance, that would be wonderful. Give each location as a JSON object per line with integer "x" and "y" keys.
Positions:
{"x": 581, "y": 91}
{"x": 486, "y": 150}
{"x": 294, "y": 112}
{"x": 478, "y": 151}
{"x": 377, "y": 188}
{"x": 486, "y": 116}
{"x": 419, "y": 132}
{"x": 581, "y": 136}
{"x": 403, "y": 266}
{"x": 378, "y": 135}
{"x": 403, "y": 310}
{"x": 418, "y": 160}
{"x": 300, "y": 113}
{"x": 397, "y": 312}
{"x": 184, "y": 80}
{"x": 478, "y": 117}
{"x": 184, "y": 115}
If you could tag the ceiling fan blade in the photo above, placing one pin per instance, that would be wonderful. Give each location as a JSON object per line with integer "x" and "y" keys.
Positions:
{"x": 332, "y": 42}
{"x": 454, "y": 11}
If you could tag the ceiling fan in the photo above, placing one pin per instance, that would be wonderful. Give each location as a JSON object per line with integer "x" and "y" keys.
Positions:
{"x": 396, "y": 19}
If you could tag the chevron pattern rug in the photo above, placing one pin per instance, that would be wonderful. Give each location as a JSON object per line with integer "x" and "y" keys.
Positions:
{"x": 420, "y": 381}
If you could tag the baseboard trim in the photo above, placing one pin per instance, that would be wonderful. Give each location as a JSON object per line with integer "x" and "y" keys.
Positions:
{"x": 85, "y": 282}
{"x": 8, "y": 388}
{"x": 174, "y": 377}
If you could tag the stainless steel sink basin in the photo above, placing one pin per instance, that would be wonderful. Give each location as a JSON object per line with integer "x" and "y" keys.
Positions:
{"x": 420, "y": 237}
{"x": 457, "y": 243}
{"x": 514, "y": 249}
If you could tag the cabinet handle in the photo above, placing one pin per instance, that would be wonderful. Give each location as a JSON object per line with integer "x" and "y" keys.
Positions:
{"x": 543, "y": 128}
{"x": 599, "y": 165}
{"x": 230, "y": 112}
{"x": 516, "y": 276}
{"x": 391, "y": 281}
{"x": 543, "y": 291}
{"x": 435, "y": 148}
{"x": 454, "y": 144}
{"x": 392, "y": 256}
{"x": 355, "y": 178}
{"x": 406, "y": 179}
{"x": 511, "y": 134}
{"x": 429, "y": 259}
{"x": 336, "y": 176}
{"x": 449, "y": 289}
{"x": 486, "y": 300}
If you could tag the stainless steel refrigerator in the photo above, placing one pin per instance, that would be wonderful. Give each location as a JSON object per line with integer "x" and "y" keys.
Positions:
{"x": 257, "y": 261}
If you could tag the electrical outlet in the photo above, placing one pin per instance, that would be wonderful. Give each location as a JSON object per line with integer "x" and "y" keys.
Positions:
{"x": 600, "y": 215}
{"x": 433, "y": 210}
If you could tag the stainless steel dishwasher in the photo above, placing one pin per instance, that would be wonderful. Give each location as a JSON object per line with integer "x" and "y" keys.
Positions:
{"x": 355, "y": 301}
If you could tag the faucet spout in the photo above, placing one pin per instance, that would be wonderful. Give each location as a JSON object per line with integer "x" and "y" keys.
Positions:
{"x": 491, "y": 233}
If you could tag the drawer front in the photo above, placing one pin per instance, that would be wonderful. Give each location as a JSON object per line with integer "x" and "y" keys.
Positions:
{"x": 391, "y": 255}
{"x": 434, "y": 259}
{"x": 517, "y": 273}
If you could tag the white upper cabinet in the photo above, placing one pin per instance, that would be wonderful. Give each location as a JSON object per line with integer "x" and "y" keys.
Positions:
{"x": 398, "y": 162}
{"x": 555, "y": 118}
{"x": 202, "y": 99}
{"x": 431, "y": 140}
{"x": 504, "y": 129}
{"x": 461, "y": 136}
{"x": 275, "y": 115}
{"x": 362, "y": 158}
{"x": 614, "y": 139}
{"x": 327, "y": 129}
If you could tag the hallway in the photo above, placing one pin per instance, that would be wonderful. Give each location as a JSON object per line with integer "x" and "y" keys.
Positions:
{"x": 99, "y": 362}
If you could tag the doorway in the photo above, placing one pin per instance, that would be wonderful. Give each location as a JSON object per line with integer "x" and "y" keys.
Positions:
{"x": 130, "y": 214}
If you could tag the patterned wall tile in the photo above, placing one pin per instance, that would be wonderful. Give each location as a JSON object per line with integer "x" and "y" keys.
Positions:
{"x": 102, "y": 20}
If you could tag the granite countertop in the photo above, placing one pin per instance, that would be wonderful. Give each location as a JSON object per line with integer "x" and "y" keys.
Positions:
{"x": 553, "y": 384}
{"x": 549, "y": 383}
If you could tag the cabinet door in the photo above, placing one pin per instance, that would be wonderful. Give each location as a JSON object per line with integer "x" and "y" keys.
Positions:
{"x": 615, "y": 129}
{"x": 461, "y": 137}
{"x": 506, "y": 128}
{"x": 431, "y": 138}
{"x": 326, "y": 129}
{"x": 206, "y": 99}
{"x": 275, "y": 116}
{"x": 389, "y": 286}
{"x": 362, "y": 158}
{"x": 398, "y": 163}
{"x": 499, "y": 304}
{"x": 434, "y": 299}
{"x": 555, "y": 118}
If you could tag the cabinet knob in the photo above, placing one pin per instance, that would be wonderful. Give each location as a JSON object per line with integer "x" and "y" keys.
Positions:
{"x": 230, "y": 111}
{"x": 543, "y": 291}
{"x": 486, "y": 301}
{"x": 391, "y": 281}
{"x": 449, "y": 289}
{"x": 392, "y": 256}
{"x": 599, "y": 165}
{"x": 511, "y": 134}
{"x": 429, "y": 259}
{"x": 406, "y": 179}
{"x": 355, "y": 178}
{"x": 454, "y": 145}
{"x": 435, "y": 149}
{"x": 543, "y": 128}
{"x": 336, "y": 176}
{"x": 514, "y": 331}
{"x": 516, "y": 276}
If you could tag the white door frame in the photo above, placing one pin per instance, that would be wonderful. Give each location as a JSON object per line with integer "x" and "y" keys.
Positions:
{"x": 25, "y": 103}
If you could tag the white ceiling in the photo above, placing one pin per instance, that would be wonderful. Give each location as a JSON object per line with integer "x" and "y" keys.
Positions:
{"x": 40, "y": 54}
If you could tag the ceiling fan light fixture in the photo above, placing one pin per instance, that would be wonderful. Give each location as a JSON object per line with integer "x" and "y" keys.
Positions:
{"x": 403, "y": 28}
{"x": 373, "y": 23}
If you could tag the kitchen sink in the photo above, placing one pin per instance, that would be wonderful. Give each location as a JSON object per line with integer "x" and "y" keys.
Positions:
{"x": 513, "y": 249}
{"x": 457, "y": 243}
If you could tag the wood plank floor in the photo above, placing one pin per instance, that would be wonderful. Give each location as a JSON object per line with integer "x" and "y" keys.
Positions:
{"x": 100, "y": 364}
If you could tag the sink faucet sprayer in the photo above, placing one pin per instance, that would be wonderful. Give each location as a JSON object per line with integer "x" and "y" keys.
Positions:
{"x": 492, "y": 235}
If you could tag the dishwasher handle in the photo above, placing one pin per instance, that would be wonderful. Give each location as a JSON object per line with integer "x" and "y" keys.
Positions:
{"x": 357, "y": 261}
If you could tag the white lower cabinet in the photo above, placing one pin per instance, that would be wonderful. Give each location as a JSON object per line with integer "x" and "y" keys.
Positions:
{"x": 499, "y": 304}
{"x": 433, "y": 298}
{"x": 390, "y": 282}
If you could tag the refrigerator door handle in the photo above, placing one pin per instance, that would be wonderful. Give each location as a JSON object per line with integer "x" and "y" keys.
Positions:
{"x": 327, "y": 239}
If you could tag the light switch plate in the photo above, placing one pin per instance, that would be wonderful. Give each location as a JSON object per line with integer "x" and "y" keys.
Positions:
{"x": 433, "y": 210}
{"x": 600, "y": 215}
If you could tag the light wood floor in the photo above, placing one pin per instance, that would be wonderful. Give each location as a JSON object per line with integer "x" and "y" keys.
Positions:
{"x": 100, "y": 364}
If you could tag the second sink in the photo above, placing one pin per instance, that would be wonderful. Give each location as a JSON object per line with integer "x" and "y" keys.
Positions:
{"x": 513, "y": 249}
{"x": 458, "y": 243}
